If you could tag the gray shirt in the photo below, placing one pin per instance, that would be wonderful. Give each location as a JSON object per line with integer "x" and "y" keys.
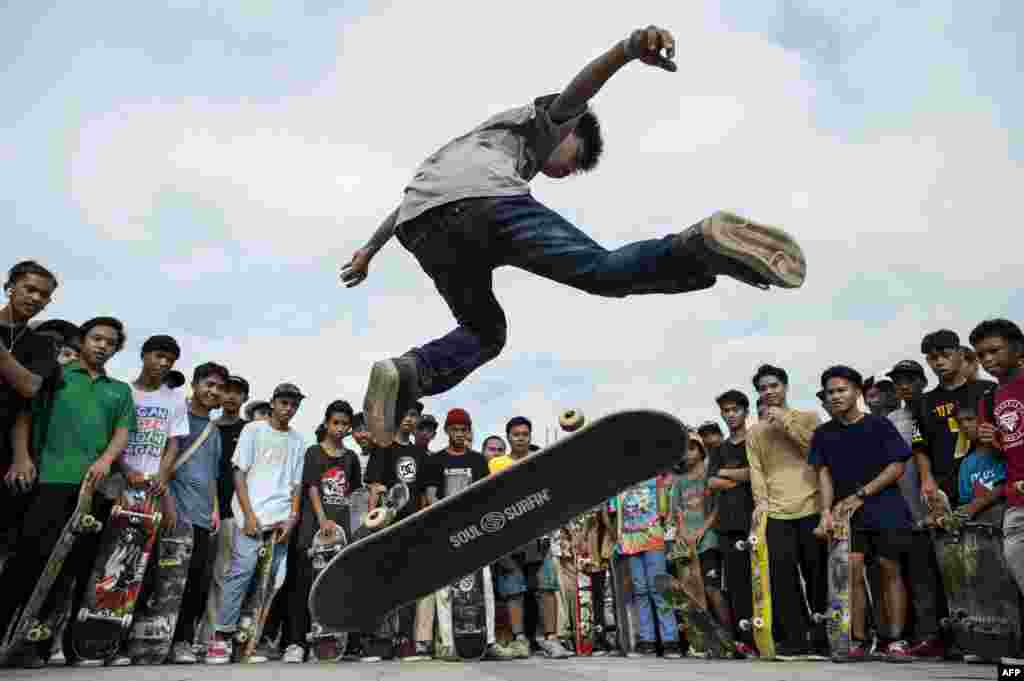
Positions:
{"x": 191, "y": 484}
{"x": 497, "y": 158}
{"x": 910, "y": 482}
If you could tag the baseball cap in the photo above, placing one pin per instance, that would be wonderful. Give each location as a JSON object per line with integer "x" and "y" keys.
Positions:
{"x": 427, "y": 421}
{"x": 458, "y": 417}
{"x": 250, "y": 409}
{"x": 907, "y": 366}
{"x": 287, "y": 390}
{"x": 240, "y": 382}
{"x": 943, "y": 339}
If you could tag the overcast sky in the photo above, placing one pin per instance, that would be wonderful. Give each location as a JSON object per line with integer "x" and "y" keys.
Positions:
{"x": 204, "y": 168}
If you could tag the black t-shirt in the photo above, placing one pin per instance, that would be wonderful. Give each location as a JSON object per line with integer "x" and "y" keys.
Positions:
{"x": 335, "y": 478}
{"x": 938, "y": 433}
{"x": 36, "y": 353}
{"x": 447, "y": 468}
{"x": 855, "y": 454}
{"x": 736, "y": 505}
{"x": 226, "y": 482}
{"x": 401, "y": 463}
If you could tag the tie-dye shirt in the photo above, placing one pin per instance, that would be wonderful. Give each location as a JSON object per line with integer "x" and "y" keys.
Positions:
{"x": 639, "y": 521}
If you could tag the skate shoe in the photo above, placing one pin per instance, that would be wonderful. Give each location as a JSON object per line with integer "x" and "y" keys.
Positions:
{"x": 755, "y": 254}
{"x": 392, "y": 389}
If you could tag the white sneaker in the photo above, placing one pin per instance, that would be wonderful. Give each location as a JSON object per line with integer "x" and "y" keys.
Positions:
{"x": 552, "y": 648}
{"x": 182, "y": 653}
{"x": 294, "y": 654}
{"x": 120, "y": 661}
{"x": 58, "y": 659}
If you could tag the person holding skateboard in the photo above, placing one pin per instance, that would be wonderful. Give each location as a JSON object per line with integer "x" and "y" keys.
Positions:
{"x": 78, "y": 431}
{"x": 785, "y": 488}
{"x": 468, "y": 210}
{"x": 859, "y": 459}
{"x": 268, "y": 479}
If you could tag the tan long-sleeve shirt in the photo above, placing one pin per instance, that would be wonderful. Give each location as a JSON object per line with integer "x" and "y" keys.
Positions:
{"x": 780, "y": 477}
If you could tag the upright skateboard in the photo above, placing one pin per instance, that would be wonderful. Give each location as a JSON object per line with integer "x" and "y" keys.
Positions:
{"x": 837, "y": 617}
{"x": 26, "y": 627}
{"x": 626, "y": 616}
{"x": 462, "y": 617}
{"x": 105, "y": 618}
{"x": 257, "y": 601}
{"x": 156, "y": 617}
{"x": 584, "y": 628}
{"x": 686, "y": 591}
{"x": 393, "y": 502}
{"x": 329, "y": 645}
{"x": 493, "y": 517}
{"x": 761, "y": 624}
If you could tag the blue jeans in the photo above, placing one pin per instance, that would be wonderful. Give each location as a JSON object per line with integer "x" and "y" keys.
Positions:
{"x": 460, "y": 244}
{"x": 239, "y": 579}
{"x": 643, "y": 568}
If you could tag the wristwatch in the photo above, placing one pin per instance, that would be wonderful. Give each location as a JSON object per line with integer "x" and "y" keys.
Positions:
{"x": 861, "y": 493}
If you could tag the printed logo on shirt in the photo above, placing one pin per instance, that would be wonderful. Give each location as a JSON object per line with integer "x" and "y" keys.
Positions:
{"x": 274, "y": 456}
{"x": 1010, "y": 417}
{"x": 334, "y": 486}
{"x": 405, "y": 469}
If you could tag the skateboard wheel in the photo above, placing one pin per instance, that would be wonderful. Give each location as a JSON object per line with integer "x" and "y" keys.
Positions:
{"x": 126, "y": 622}
{"x": 116, "y": 511}
{"x": 571, "y": 420}
{"x": 758, "y": 623}
{"x": 242, "y": 637}
{"x": 157, "y": 517}
{"x": 262, "y": 552}
{"x": 945, "y": 622}
{"x": 376, "y": 519}
{"x": 960, "y": 614}
{"x": 753, "y": 540}
{"x": 83, "y": 614}
{"x": 741, "y": 545}
{"x": 745, "y": 625}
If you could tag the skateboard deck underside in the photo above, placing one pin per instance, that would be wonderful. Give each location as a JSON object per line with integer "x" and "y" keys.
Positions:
{"x": 687, "y": 593}
{"x": 156, "y": 616}
{"x": 493, "y": 517}
{"x": 328, "y": 643}
{"x": 837, "y": 623}
{"x": 762, "y": 592}
{"x": 584, "y": 613}
{"x": 257, "y": 601}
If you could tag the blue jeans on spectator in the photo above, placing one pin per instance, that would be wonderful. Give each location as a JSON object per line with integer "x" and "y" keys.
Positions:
{"x": 460, "y": 244}
{"x": 643, "y": 568}
{"x": 239, "y": 579}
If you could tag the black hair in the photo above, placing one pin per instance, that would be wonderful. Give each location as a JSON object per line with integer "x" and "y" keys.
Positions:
{"x": 492, "y": 437}
{"x": 709, "y": 427}
{"x": 588, "y": 131}
{"x": 733, "y": 396}
{"x": 335, "y": 407}
{"x": 210, "y": 369}
{"x": 359, "y": 422}
{"x": 840, "y": 371}
{"x": 518, "y": 421}
{"x": 106, "y": 321}
{"x": 769, "y": 370}
{"x": 943, "y": 339}
{"x": 25, "y": 268}
{"x": 999, "y": 328}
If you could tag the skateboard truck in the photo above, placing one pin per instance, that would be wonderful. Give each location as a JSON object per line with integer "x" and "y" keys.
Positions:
{"x": 84, "y": 615}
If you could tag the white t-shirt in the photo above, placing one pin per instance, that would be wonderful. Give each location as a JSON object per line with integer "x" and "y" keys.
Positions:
{"x": 159, "y": 415}
{"x": 272, "y": 461}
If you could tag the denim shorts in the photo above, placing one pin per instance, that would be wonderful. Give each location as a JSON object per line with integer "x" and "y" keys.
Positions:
{"x": 514, "y": 578}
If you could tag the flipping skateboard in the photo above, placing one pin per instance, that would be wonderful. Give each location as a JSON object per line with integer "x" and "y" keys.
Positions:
{"x": 686, "y": 592}
{"x": 837, "y": 617}
{"x": 105, "y": 617}
{"x": 984, "y": 614}
{"x": 328, "y": 645}
{"x": 156, "y": 616}
{"x": 761, "y": 622}
{"x": 257, "y": 602}
{"x": 494, "y": 516}
{"x": 26, "y": 628}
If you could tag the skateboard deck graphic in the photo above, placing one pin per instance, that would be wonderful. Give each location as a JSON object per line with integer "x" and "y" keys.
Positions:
{"x": 118, "y": 572}
{"x": 156, "y": 617}
{"x": 466, "y": 595}
{"x": 257, "y": 602}
{"x": 26, "y": 628}
{"x": 837, "y": 617}
{"x": 494, "y": 516}
{"x": 761, "y": 624}
{"x": 328, "y": 644}
{"x": 686, "y": 591}
{"x": 626, "y": 616}
{"x": 584, "y": 613}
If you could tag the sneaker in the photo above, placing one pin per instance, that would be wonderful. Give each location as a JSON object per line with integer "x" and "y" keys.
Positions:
{"x": 181, "y": 653}
{"x": 447, "y": 654}
{"x": 57, "y": 658}
{"x": 671, "y": 651}
{"x": 520, "y": 648}
{"x": 497, "y": 652}
{"x": 371, "y": 658}
{"x": 644, "y": 649}
{"x": 897, "y": 651}
{"x": 294, "y": 654}
{"x": 928, "y": 649}
{"x": 421, "y": 653}
{"x": 752, "y": 253}
{"x": 791, "y": 654}
{"x": 745, "y": 651}
{"x": 552, "y": 648}
{"x": 218, "y": 651}
{"x": 858, "y": 653}
{"x": 393, "y": 383}
{"x": 1012, "y": 660}
{"x": 699, "y": 654}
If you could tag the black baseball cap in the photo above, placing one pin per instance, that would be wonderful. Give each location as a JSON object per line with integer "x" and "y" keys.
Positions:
{"x": 907, "y": 366}
{"x": 250, "y": 409}
{"x": 287, "y": 390}
{"x": 240, "y": 382}
{"x": 943, "y": 339}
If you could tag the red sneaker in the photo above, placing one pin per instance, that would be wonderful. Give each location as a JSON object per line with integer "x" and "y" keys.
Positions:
{"x": 928, "y": 649}
{"x": 897, "y": 651}
{"x": 857, "y": 653}
{"x": 746, "y": 650}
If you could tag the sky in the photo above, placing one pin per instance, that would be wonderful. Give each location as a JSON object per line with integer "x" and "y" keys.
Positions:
{"x": 204, "y": 169}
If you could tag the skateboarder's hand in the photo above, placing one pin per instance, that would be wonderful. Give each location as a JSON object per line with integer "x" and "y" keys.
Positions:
{"x": 328, "y": 528}
{"x": 98, "y": 471}
{"x": 355, "y": 271}
{"x": 774, "y": 415}
{"x": 169, "y": 518}
{"x": 646, "y": 45}
{"x": 252, "y": 525}
{"x": 215, "y": 522}
{"x": 281, "y": 534}
{"x": 824, "y": 528}
{"x": 21, "y": 475}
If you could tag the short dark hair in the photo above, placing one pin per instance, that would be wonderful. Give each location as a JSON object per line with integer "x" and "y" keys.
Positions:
{"x": 487, "y": 439}
{"x": 359, "y": 422}
{"x": 769, "y": 370}
{"x": 841, "y": 371}
{"x": 106, "y": 321}
{"x": 999, "y": 328}
{"x": 709, "y": 427}
{"x": 518, "y": 421}
{"x": 25, "y": 268}
{"x": 208, "y": 369}
{"x": 943, "y": 339}
{"x": 335, "y": 407}
{"x": 588, "y": 131}
{"x": 733, "y": 396}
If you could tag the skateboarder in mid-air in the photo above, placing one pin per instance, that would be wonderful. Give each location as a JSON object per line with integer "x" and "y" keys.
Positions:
{"x": 468, "y": 210}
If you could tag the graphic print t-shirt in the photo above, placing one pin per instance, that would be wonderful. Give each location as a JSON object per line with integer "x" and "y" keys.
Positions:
{"x": 939, "y": 434}
{"x": 400, "y": 463}
{"x": 159, "y": 415}
{"x": 272, "y": 461}
{"x": 1008, "y": 406}
{"x": 980, "y": 470}
{"x": 639, "y": 511}
{"x": 447, "y": 468}
{"x": 334, "y": 477}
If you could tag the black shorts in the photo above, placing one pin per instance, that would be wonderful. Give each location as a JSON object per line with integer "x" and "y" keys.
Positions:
{"x": 711, "y": 568}
{"x": 890, "y": 544}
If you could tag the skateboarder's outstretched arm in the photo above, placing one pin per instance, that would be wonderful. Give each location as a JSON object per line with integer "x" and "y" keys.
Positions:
{"x": 644, "y": 44}
{"x": 355, "y": 271}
